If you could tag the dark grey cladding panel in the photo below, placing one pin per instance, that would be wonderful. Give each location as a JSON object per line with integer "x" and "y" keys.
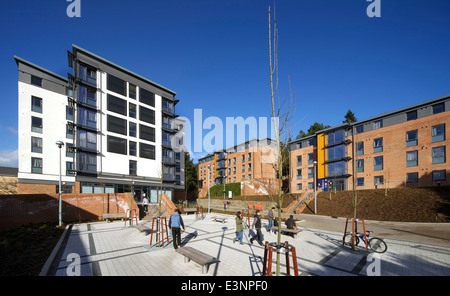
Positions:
{"x": 49, "y": 82}
{"x": 129, "y": 77}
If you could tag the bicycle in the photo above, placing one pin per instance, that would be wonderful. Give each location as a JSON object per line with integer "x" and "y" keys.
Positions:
{"x": 376, "y": 244}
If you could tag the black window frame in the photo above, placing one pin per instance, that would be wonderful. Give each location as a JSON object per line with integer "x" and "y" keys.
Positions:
{"x": 147, "y": 151}
{"x": 116, "y": 105}
{"x": 113, "y": 122}
{"x": 117, "y": 145}
{"x": 113, "y": 83}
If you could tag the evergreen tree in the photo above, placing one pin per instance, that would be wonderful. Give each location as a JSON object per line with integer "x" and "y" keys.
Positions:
{"x": 349, "y": 117}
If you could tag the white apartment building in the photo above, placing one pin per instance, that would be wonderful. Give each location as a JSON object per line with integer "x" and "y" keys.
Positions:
{"x": 120, "y": 130}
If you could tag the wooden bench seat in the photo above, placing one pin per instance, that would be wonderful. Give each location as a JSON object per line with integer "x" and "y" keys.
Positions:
{"x": 197, "y": 256}
{"x": 220, "y": 219}
{"x": 286, "y": 230}
{"x": 189, "y": 210}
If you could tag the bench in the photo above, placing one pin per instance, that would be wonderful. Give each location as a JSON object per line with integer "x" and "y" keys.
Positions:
{"x": 285, "y": 230}
{"x": 220, "y": 219}
{"x": 197, "y": 256}
{"x": 113, "y": 215}
{"x": 189, "y": 210}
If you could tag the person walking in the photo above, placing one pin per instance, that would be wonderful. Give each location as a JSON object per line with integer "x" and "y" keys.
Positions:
{"x": 257, "y": 225}
{"x": 239, "y": 228}
{"x": 270, "y": 218}
{"x": 176, "y": 225}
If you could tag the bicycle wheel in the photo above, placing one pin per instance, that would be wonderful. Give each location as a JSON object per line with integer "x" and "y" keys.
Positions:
{"x": 348, "y": 239}
{"x": 377, "y": 245}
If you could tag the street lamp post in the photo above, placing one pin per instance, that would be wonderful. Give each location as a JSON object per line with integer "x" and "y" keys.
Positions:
{"x": 209, "y": 194}
{"x": 315, "y": 189}
{"x": 60, "y": 144}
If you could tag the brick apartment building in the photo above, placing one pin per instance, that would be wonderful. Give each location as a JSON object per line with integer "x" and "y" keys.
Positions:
{"x": 403, "y": 148}
{"x": 252, "y": 160}
{"x": 119, "y": 130}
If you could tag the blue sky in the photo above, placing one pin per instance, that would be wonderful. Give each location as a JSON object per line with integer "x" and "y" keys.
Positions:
{"x": 214, "y": 54}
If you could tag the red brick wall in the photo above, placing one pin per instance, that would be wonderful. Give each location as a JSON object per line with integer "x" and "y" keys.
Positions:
{"x": 16, "y": 210}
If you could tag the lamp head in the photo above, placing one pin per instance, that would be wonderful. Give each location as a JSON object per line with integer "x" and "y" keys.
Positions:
{"x": 60, "y": 144}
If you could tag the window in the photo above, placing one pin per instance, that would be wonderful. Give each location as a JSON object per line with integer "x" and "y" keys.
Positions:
{"x": 243, "y": 158}
{"x": 299, "y": 186}
{"x": 411, "y": 158}
{"x": 116, "y": 85}
{"x": 249, "y": 158}
{"x": 412, "y": 177}
{"x": 438, "y": 175}
{"x": 36, "y": 144}
{"x": 36, "y": 104}
{"x": 299, "y": 160}
{"x": 438, "y": 155}
{"x": 243, "y": 168}
{"x": 411, "y": 138}
{"x": 132, "y": 91}
{"x": 378, "y": 163}
{"x": 88, "y": 74}
{"x": 146, "y": 115}
{"x": 69, "y": 131}
{"x": 177, "y": 156}
{"x": 234, "y": 179}
{"x": 310, "y": 172}
{"x": 87, "y": 162}
{"x": 36, "y": 165}
{"x": 117, "y": 145}
{"x": 360, "y": 148}
{"x": 378, "y": 180}
{"x": 167, "y": 106}
{"x": 87, "y": 139}
{"x": 166, "y": 139}
{"x": 438, "y": 108}
{"x": 36, "y": 81}
{"x": 69, "y": 113}
{"x": 167, "y": 155}
{"x": 378, "y": 145}
{"x": 132, "y": 129}
{"x": 360, "y": 182}
{"x": 133, "y": 168}
{"x": 310, "y": 185}
{"x": 69, "y": 150}
{"x": 335, "y": 152}
{"x": 87, "y": 117}
{"x": 146, "y": 97}
{"x": 146, "y": 133}
{"x": 116, "y": 125}
{"x": 310, "y": 158}
{"x": 359, "y": 129}
{"x": 234, "y": 170}
{"x": 377, "y": 124}
{"x": 117, "y": 105}
{"x": 132, "y": 110}
{"x": 438, "y": 133}
{"x": 336, "y": 168}
{"x": 146, "y": 151}
{"x": 234, "y": 160}
{"x": 132, "y": 148}
{"x": 299, "y": 174}
{"x": 360, "y": 166}
{"x": 411, "y": 115}
{"x": 36, "y": 124}
{"x": 87, "y": 95}
{"x": 249, "y": 167}
{"x": 249, "y": 176}
{"x": 336, "y": 137}
{"x": 69, "y": 170}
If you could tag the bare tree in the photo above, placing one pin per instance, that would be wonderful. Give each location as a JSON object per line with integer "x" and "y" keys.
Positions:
{"x": 281, "y": 115}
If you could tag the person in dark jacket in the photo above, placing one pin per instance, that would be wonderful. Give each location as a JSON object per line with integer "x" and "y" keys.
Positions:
{"x": 176, "y": 224}
{"x": 257, "y": 225}
{"x": 239, "y": 228}
{"x": 290, "y": 223}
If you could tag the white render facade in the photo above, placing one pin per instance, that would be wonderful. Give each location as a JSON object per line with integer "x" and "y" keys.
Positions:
{"x": 121, "y": 127}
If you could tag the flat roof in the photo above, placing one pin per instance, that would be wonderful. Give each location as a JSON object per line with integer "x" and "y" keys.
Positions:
{"x": 23, "y": 61}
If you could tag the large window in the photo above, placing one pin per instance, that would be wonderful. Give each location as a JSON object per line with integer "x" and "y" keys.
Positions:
{"x": 411, "y": 115}
{"x": 87, "y": 139}
{"x": 87, "y": 117}
{"x": 438, "y": 108}
{"x": 438, "y": 154}
{"x": 411, "y": 138}
{"x": 438, "y": 133}
{"x": 360, "y": 148}
{"x": 336, "y": 137}
{"x": 166, "y": 139}
{"x": 167, "y": 106}
{"x": 117, "y": 125}
{"x": 88, "y": 74}
{"x": 36, "y": 144}
{"x": 117, "y": 105}
{"x": 438, "y": 175}
{"x": 336, "y": 168}
{"x": 36, "y": 104}
{"x": 360, "y": 166}
{"x": 146, "y": 115}
{"x": 36, "y": 124}
{"x": 87, "y": 162}
{"x": 378, "y": 163}
{"x": 87, "y": 95}
{"x": 116, "y": 85}
{"x": 146, "y": 151}
{"x": 336, "y": 152}
{"x": 117, "y": 145}
{"x": 146, "y": 97}
{"x": 36, "y": 165}
{"x": 411, "y": 158}
{"x": 378, "y": 145}
{"x": 146, "y": 133}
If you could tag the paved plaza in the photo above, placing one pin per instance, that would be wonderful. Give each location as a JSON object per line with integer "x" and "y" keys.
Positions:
{"x": 112, "y": 249}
